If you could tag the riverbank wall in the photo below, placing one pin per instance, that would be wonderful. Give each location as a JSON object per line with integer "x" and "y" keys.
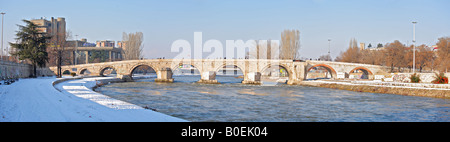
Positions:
{"x": 21, "y": 70}
{"x": 405, "y": 77}
{"x": 439, "y": 91}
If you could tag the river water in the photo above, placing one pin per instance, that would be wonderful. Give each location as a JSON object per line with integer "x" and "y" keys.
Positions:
{"x": 233, "y": 101}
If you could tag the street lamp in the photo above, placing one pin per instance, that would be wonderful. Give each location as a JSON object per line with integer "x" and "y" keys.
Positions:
{"x": 329, "y": 45}
{"x": 3, "y": 13}
{"x": 76, "y": 49}
{"x": 414, "y": 45}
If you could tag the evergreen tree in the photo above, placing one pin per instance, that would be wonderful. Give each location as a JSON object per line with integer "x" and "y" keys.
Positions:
{"x": 379, "y": 45}
{"x": 31, "y": 45}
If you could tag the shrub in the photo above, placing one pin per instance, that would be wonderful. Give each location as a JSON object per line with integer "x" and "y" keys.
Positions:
{"x": 73, "y": 74}
{"x": 415, "y": 78}
{"x": 440, "y": 79}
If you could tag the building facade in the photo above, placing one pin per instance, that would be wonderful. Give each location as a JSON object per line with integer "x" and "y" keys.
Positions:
{"x": 84, "y": 52}
{"x": 54, "y": 27}
{"x": 86, "y": 55}
{"x": 75, "y": 51}
{"x": 105, "y": 43}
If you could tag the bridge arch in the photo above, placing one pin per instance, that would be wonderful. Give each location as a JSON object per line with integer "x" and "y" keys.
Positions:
{"x": 327, "y": 67}
{"x": 230, "y": 70}
{"x": 221, "y": 67}
{"x": 83, "y": 71}
{"x": 366, "y": 72}
{"x": 66, "y": 72}
{"x": 276, "y": 73}
{"x": 130, "y": 71}
{"x": 195, "y": 67}
{"x": 144, "y": 68}
{"x": 103, "y": 69}
{"x": 288, "y": 71}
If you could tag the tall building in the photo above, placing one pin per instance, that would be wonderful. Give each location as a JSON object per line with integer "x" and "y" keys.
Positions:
{"x": 362, "y": 46}
{"x": 55, "y": 27}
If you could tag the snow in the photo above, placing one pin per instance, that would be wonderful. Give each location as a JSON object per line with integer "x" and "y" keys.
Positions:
{"x": 426, "y": 86}
{"x": 37, "y": 100}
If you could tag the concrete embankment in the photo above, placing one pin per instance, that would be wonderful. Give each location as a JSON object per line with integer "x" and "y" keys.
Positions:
{"x": 384, "y": 89}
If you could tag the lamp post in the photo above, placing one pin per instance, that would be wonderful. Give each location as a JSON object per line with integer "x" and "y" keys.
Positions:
{"x": 329, "y": 45}
{"x": 3, "y": 14}
{"x": 76, "y": 49}
{"x": 7, "y": 53}
{"x": 414, "y": 45}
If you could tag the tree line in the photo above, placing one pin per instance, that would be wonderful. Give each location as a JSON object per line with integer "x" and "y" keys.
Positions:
{"x": 399, "y": 57}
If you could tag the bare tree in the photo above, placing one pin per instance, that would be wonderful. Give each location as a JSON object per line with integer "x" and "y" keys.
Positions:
{"x": 57, "y": 53}
{"x": 424, "y": 57}
{"x": 395, "y": 55}
{"x": 352, "y": 54}
{"x": 132, "y": 48}
{"x": 262, "y": 50}
{"x": 443, "y": 54}
{"x": 290, "y": 44}
{"x": 325, "y": 57}
{"x": 371, "y": 57}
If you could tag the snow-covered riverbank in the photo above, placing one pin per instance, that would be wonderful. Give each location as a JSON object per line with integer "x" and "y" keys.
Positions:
{"x": 37, "y": 100}
{"x": 408, "y": 89}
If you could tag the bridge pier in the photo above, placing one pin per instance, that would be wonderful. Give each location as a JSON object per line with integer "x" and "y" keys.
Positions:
{"x": 252, "y": 78}
{"x": 294, "y": 82}
{"x": 164, "y": 75}
{"x": 208, "y": 77}
{"x": 125, "y": 77}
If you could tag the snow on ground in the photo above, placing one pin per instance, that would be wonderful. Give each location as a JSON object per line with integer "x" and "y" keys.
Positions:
{"x": 37, "y": 100}
{"x": 427, "y": 86}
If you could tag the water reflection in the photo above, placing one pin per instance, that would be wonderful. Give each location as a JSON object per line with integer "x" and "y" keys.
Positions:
{"x": 232, "y": 101}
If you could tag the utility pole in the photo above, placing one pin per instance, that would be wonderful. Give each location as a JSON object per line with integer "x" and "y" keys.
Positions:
{"x": 3, "y": 14}
{"x": 7, "y": 53}
{"x": 76, "y": 49}
{"x": 414, "y": 44}
{"x": 329, "y": 45}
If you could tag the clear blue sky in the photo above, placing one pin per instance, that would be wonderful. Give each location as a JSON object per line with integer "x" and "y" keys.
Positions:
{"x": 164, "y": 21}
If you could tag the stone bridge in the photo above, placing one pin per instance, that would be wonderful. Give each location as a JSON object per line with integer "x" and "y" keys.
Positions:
{"x": 251, "y": 68}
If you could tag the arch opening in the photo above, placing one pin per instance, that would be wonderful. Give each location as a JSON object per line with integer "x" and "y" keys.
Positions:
{"x": 66, "y": 72}
{"x": 186, "y": 73}
{"x": 186, "y": 69}
{"x": 275, "y": 74}
{"x": 230, "y": 70}
{"x": 85, "y": 72}
{"x": 229, "y": 74}
{"x": 360, "y": 73}
{"x": 320, "y": 72}
{"x": 143, "y": 71}
{"x": 108, "y": 72}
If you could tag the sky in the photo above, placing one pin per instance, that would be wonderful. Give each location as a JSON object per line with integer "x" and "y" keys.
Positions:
{"x": 165, "y": 21}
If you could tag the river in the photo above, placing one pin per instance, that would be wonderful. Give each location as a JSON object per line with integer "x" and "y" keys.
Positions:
{"x": 232, "y": 101}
